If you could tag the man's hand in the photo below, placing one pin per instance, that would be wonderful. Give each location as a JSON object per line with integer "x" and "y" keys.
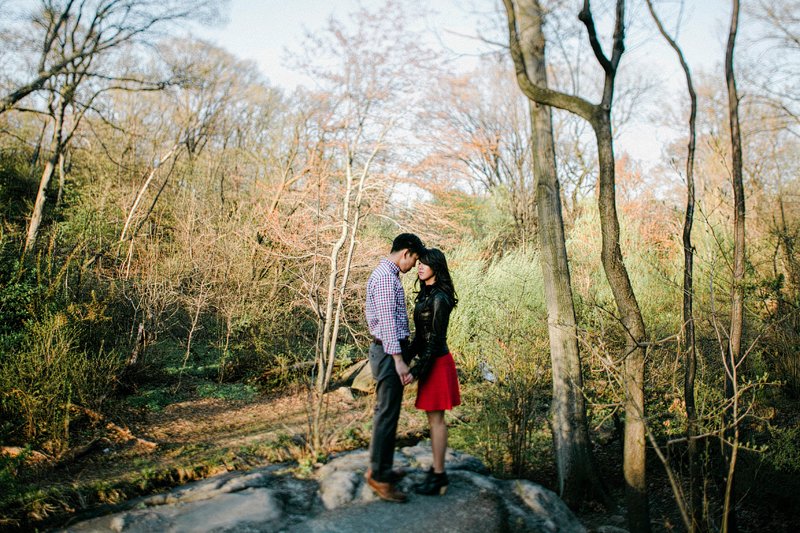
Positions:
{"x": 402, "y": 369}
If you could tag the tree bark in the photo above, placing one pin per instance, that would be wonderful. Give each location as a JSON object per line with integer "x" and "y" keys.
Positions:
{"x": 143, "y": 190}
{"x": 577, "y": 477}
{"x": 688, "y": 338}
{"x": 56, "y": 148}
{"x": 599, "y": 116}
{"x": 38, "y": 206}
{"x": 734, "y": 352}
{"x": 62, "y": 178}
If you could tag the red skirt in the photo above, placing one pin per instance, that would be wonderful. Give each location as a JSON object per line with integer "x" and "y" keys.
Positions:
{"x": 439, "y": 390}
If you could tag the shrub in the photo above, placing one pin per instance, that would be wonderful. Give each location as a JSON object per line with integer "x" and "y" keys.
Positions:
{"x": 501, "y": 311}
{"x": 498, "y": 334}
{"x": 784, "y": 449}
{"x": 48, "y": 373}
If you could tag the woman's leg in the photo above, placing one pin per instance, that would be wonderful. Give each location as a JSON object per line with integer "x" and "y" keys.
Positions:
{"x": 438, "y": 439}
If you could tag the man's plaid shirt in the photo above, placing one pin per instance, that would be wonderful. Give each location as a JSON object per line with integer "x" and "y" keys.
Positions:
{"x": 386, "y": 306}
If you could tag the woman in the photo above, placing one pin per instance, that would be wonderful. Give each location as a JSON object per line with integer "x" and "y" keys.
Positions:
{"x": 438, "y": 382}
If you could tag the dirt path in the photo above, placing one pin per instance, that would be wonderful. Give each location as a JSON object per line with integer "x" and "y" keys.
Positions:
{"x": 227, "y": 424}
{"x": 154, "y": 451}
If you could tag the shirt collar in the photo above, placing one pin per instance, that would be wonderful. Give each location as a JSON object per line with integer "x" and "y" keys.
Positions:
{"x": 391, "y": 266}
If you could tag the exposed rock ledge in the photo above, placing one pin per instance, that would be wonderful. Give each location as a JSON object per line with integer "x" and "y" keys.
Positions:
{"x": 338, "y": 500}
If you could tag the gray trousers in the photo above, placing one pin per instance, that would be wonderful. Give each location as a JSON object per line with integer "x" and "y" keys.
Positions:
{"x": 389, "y": 394}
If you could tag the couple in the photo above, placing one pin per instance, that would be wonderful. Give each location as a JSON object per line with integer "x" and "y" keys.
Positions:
{"x": 392, "y": 351}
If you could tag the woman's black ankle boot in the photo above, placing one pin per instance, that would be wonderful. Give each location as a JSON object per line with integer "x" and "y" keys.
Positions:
{"x": 434, "y": 484}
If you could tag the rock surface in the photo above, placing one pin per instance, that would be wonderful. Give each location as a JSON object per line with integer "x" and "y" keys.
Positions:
{"x": 337, "y": 499}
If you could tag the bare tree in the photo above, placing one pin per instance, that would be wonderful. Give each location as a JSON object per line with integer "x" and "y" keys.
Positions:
{"x": 77, "y": 39}
{"x": 599, "y": 116}
{"x": 93, "y": 28}
{"x": 734, "y": 357}
{"x": 369, "y": 83}
{"x": 481, "y": 127}
{"x": 695, "y": 482}
{"x": 577, "y": 476}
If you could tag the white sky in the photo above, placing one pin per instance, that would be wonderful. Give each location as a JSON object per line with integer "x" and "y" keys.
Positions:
{"x": 262, "y": 30}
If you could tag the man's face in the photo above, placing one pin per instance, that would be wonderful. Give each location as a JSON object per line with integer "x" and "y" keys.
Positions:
{"x": 407, "y": 261}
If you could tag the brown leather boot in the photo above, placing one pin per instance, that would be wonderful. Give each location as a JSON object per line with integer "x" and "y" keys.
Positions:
{"x": 385, "y": 491}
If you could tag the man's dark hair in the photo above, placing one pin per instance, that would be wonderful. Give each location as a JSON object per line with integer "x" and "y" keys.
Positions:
{"x": 408, "y": 241}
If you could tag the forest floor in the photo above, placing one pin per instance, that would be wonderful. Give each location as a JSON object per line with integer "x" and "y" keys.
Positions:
{"x": 144, "y": 452}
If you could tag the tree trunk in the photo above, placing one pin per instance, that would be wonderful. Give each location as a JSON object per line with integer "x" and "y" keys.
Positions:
{"x": 577, "y": 477}
{"x": 62, "y": 178}
{"x": 143, "y": 190}
{"x": 599, "y": 116}
{"x": 633, "y": 360}
{"x": 41, "y": 198}
{"x": 734, "y": 354}
{"x": 688, "y": 337}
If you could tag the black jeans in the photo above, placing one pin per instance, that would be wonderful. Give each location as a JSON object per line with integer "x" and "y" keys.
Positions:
{"x": 389, "y": 394}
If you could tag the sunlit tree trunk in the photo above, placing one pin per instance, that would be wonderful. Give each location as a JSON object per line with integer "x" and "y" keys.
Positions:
{"x": 599, "y": 116}
{"x": 688, "y": 337}
{"x": 577, "y": 477}
{"x": 734, "y": 353}
{"x": 56, "y": 147}
{"x": 62, "y": 177}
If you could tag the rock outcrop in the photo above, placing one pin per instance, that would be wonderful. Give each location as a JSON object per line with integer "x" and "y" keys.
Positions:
{"x": 336, "y": 499}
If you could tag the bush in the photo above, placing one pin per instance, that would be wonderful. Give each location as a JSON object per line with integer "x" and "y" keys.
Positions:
{"x": 501, "y": 312}
{"x": 498, "y": 334}
{"x": 784, "y": 449}
{"x": 47, "y": 374}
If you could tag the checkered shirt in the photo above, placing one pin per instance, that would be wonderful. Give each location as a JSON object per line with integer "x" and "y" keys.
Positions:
{"x": 386, "y": 306}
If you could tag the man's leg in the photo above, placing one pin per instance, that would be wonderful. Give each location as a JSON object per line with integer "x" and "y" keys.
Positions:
{"x": 384, "y": 426}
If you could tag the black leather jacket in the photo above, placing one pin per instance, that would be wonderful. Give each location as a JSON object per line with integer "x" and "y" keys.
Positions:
{"x": 431, "y": 317}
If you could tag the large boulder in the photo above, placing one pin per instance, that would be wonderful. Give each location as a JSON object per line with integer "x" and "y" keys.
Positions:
{"x": 337, "y": 499}
{"x": 363, "y": 380}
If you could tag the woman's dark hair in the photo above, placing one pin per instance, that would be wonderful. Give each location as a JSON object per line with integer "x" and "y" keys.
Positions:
{"x": 434, "y": 258}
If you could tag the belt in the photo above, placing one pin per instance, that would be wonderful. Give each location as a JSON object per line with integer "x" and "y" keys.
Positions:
{"x": 377, "y": 341}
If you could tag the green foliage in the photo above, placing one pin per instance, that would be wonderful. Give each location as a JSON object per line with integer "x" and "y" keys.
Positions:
{"x": 50, "y": 372}
{"x": 155, "y": 399}
{"x": 19, "y": 291}
{"x": 498, "y": 332}
{"x": 16, "y": 183}
{"x": 10, "y": 488}
{"x": 53, "y": 352}
{"x": 500, "y": 321}
{"x": 783, "y": 451}
{"x": 227, "y": 391}
{"x": 654, "y": 274}
{"x": 506, "y": 426}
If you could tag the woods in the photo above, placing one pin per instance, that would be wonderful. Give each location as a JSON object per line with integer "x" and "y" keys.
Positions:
{"x": 176, "y": 226}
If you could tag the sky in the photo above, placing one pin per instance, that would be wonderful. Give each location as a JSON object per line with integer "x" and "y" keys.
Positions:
{"x": 263, "y": 31}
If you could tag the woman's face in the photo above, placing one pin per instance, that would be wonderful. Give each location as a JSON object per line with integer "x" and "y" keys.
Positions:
{"x": 425, "y": 274}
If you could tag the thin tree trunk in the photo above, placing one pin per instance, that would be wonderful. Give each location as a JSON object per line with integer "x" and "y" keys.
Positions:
{"x": 577, "y": 477}
{"x": 599, "y": 116}
{"x": 737, "y": 290}
{"x": 327, "y": 318}
{"x": 324, "y": 360}
{"x": 41, "y": 198}
{"x": 38, "y": 149}
{"x": 695, "y": 499}
{"x": 634, "y": 462}
{"x": 62, "y": 178}
{"x": 56, "y": 148}
{"x": 143, "y": 190}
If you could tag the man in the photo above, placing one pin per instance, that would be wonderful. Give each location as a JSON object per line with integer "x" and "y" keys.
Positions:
{"x": 388, "y": 323}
